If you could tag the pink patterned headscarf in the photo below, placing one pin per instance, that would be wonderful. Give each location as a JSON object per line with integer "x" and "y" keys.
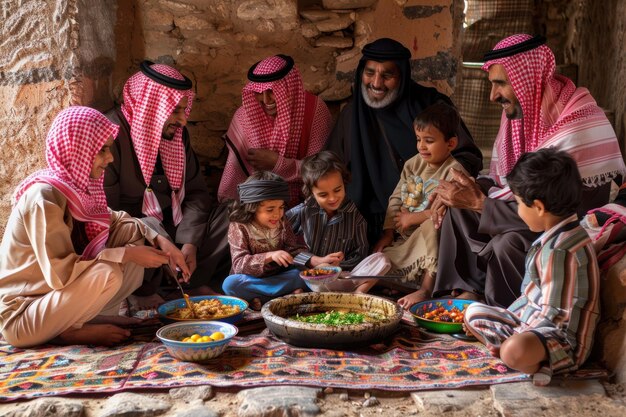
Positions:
{"x": 281, "y": 134}
{"x": 147, "y": 105}
{"x": 75, "y": 137}
{"x": 555, "y": 113}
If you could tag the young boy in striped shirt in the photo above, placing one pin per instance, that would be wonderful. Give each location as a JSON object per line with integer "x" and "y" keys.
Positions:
{"x": 332, "y": 227}
{"x": 550, "y": 327}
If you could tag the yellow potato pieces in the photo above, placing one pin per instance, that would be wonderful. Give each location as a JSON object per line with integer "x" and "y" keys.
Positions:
{"x": 196, "y": 338}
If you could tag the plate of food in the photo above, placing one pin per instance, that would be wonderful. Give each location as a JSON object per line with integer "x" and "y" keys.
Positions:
{"x": 205, "y": 307}
{"x": 441, "y": 315}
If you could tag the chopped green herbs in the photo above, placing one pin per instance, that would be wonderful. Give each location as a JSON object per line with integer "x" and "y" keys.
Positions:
{"x": 334, "y": 318}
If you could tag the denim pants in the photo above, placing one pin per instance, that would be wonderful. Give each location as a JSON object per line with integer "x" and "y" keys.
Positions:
{"x": 249, "y": 287}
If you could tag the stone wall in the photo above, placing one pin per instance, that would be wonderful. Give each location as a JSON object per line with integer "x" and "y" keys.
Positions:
{"x": 53, "y": 54}
{"x": 597, "y": 45}
{"x": 66, "y": 52}
{"x": 38, "y": 61}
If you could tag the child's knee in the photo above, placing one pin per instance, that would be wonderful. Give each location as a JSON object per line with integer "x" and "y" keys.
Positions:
{"x": 231, "y": 284}
{"x": 522, "y": 351}
{"x": 512, "y": 353}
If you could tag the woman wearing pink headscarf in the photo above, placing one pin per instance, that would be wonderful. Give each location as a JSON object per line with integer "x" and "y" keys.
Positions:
{"x": 66, "y": 260}
{"x": 278, "y": 125}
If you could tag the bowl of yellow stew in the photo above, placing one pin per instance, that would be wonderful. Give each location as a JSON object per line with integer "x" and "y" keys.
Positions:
{"x": 206, "y": 308}
{"x": 198, "y": 341}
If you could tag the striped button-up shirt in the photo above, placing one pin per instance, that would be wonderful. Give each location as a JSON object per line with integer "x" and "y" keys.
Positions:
{"x": 561, "y": 286}
{"x": 345, "y": 231}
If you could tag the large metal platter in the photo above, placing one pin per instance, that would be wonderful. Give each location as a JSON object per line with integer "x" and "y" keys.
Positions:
{"x": 276, "y": 314}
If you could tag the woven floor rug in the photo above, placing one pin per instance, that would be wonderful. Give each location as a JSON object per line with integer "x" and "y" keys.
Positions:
{"x": 411, "y": 360}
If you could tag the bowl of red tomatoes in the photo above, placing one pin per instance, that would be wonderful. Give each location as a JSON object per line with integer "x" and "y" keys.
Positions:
{"x": 442, "y": 315}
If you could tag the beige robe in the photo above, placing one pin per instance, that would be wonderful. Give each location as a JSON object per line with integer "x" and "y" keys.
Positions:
{"x": 415, "y": 250}
{"x": 45, "y": 288}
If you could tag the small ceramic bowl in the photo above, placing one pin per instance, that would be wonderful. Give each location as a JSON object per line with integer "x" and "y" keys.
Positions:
{"x": 172, "y": 335}
{"x": 419, "y": 309}
{"x": 166, "y": 310}
{"x": 327, "y": 282}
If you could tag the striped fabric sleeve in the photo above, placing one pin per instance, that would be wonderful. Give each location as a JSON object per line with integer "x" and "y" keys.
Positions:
{"x": 302, "y": 258}
{"x": 556, "y": 273}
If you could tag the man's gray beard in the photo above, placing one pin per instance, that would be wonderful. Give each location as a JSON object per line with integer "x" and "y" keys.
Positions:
{"x": 389, "y": 98}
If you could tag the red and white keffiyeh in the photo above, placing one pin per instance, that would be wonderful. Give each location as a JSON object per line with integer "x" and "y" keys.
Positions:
{"x": 281, "y": 133}
{"x": 74, "y": 139}
{"x": 555, "y": 114}
{"x": 147, "y": 105}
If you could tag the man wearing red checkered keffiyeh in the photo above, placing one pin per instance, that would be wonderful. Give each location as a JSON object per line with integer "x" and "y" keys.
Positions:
{"x": 66, "y": 259}
{"x": 156, "y": 176}
{"x": 482, "y": 230}
{"x": 278, "y": 124}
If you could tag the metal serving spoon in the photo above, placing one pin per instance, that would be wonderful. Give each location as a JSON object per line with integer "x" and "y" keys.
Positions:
{"x": 180, "y": 287}
{"x": 348, "y": 275}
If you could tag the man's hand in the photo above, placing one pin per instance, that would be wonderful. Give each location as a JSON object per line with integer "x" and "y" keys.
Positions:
{"x": 461, "y": 192}
{"x": 281, "y": 257}
{"x": 262, "y": 159}
{"x": 145, "y": 256}
{"x": 189, "y": 252}
{"x": 176, "y": 258}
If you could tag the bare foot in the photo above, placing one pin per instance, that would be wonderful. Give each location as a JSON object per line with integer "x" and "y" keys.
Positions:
{"x": 494, "y": 350}
{"x": 298, "y": 291}
{"x": 466, "y": 295}
{"x": 542, "y": 377}
{"x": 415, "y": 297}
{"x": 122, "y": 321}
{"x": 93, "y": 334}
{"x": 365, "y": 286}
{"x": 256, "y": 304}
{"x": 202, "y": 290}
{"x": 148, "y": 302}
{"x": 390, "y": 292}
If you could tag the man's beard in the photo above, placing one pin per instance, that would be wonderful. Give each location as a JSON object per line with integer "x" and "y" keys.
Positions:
{"x": 517, "y": 109}
{"x": 389, "y": 98}
{"x": 169, "y": 136}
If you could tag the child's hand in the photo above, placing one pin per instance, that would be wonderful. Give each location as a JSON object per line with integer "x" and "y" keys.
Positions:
{"x": 331, "y": 259}
{"x": 281, "y": 257}
{"x": 405, "y": 219}
{"x": 467, "y": 331}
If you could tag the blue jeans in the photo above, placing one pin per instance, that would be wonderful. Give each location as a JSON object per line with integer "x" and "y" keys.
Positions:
{"x": 249, "y": 287}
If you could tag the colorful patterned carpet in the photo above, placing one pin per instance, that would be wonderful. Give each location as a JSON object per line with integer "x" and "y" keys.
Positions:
{"x": 411, "y": 360}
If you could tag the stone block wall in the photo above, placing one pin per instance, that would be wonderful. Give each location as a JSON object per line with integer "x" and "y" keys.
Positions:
{"x": 597, "y": 45}
{"x": 610, "y": 346}
{"x": 53, "y": 54}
